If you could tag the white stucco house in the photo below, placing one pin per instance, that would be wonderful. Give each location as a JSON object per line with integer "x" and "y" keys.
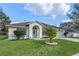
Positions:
{"x": 34, "y": 29}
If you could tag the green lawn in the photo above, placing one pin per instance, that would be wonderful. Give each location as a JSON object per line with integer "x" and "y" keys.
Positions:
{"x": 37, "y": 48}
{"x": 2, "y": 37}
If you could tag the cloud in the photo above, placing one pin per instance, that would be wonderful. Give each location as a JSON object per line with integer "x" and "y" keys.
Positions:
{"x": 47, "y": 8}
{"x": 66, "y": 9}
{"x": 39, "y": 8}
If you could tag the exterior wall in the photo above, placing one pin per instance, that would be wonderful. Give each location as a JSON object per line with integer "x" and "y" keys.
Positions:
{"x": 70, "y": 34}
{"x": 27, "y": 33}
{"x": 75, "y": 34}
{"x": 31, "y": 30}
{"x": 11, "y": 34}
{"x": 60, "y": 33}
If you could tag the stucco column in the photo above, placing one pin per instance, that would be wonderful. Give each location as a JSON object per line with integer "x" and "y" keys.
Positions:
{"x": 30, "y": 32}
{"x": 27, "y": 32}
{"x": 40, "y": 32}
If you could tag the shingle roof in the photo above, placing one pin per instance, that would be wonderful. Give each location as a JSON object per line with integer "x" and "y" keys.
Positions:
{"x": 30, "y": 22}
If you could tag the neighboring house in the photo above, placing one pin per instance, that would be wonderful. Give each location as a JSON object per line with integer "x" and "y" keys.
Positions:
{"x": 67, "y": 30}
{"x": 34, "y": 29}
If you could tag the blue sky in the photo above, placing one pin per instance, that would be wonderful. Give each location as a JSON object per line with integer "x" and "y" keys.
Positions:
{"x": 50, "y": 13}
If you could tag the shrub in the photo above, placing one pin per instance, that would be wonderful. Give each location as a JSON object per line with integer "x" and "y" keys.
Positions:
{"x": 50, "y": 32}
{"x": 19, "y": 33}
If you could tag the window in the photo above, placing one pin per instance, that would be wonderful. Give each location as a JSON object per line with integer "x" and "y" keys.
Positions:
{"x": 21, "y": 29}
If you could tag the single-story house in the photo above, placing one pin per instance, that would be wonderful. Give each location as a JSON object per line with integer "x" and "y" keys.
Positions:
{"x": 34, "y": 29}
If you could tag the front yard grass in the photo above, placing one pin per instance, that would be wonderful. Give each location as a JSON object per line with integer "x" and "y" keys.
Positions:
{"x": 37, "y": 48}
{"x": 3, "y": 37}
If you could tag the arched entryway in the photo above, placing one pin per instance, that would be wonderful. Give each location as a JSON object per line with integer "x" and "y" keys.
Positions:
{"x": 36, "y": 31}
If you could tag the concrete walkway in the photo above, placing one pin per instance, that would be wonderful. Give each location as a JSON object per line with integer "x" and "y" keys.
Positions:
{"x": 76, "y": 54}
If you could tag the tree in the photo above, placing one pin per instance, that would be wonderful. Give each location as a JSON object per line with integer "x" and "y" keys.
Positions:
{"x": 74, "y": 15}
{"x": 50, "y": 32}
{"x": 4, "y": 20}
{"x": 19, "y": 33}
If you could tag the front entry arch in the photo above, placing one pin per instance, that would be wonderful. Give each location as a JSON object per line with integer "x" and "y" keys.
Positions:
{"x": 35, "y": 30}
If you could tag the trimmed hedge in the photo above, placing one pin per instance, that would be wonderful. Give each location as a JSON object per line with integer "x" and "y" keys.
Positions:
{"x": 19, "y": 33}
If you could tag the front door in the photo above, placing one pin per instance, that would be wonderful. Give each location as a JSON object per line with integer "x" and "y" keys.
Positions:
{"x": 35, "y": 33}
